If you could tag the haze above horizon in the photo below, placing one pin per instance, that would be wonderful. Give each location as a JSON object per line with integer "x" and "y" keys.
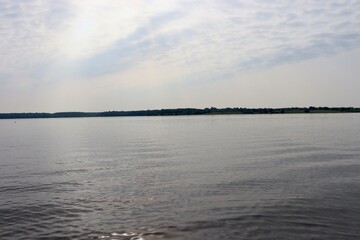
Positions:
{"x": 103, "y": 55}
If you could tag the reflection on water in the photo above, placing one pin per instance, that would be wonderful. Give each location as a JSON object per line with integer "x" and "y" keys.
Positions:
{"x": 141, "y": 234}
{"x": 190, "y": 177}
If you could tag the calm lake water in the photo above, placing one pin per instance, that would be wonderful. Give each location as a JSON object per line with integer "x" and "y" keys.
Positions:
{"x": 190, "y": 177}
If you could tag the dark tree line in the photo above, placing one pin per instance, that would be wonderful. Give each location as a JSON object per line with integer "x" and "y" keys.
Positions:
{"x": 182, "y": 111}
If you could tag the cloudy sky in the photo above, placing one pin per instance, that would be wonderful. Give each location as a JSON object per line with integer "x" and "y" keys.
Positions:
{"x": 87, "y": 55}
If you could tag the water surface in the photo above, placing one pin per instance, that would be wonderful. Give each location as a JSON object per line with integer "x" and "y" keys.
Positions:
{"x": 190, "y": 177}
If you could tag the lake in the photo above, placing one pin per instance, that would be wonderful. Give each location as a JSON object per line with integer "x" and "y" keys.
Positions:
{"x": 286, "y": 176}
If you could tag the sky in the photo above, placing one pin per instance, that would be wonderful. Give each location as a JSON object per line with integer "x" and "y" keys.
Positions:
{"x": 90, "y": 55}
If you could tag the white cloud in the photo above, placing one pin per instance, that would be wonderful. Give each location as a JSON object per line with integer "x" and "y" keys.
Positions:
{"x": 138, "y": 44}
{"x": 218, "y": 37}
{"x": 37, "y": 31}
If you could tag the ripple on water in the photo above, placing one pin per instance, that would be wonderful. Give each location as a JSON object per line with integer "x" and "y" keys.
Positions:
{"x": 223, "y": 177}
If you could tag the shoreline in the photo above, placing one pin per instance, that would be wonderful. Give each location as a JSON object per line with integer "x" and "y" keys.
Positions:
{"x": 183, "y": 112}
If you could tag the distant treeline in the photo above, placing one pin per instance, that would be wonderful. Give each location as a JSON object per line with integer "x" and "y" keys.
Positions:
{"x": 182, "y": 111}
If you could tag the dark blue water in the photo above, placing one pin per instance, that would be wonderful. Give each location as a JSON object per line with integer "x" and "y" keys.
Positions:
{"x": 191, "y": 177}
